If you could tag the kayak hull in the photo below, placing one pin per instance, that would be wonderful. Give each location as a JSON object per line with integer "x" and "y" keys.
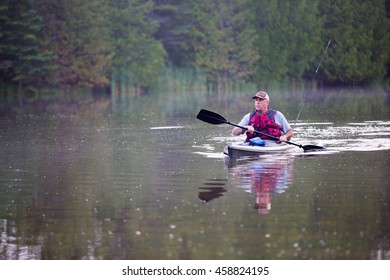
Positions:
{"x": 243, "y": 149}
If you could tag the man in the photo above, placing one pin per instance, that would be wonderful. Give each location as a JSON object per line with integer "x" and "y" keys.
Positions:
{"x": 265, "y": 120}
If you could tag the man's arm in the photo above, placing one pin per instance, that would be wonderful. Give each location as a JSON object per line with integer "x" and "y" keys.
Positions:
{"x": 236, "y": 131}
{"x": 287, "y": 130}
{"x": 287, "y": 136}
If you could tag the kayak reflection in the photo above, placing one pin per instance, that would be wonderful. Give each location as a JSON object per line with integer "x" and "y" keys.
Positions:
{"x": 263, "y": 177}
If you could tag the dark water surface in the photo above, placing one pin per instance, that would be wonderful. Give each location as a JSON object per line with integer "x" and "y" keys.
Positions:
{"x": 146, "y": 180}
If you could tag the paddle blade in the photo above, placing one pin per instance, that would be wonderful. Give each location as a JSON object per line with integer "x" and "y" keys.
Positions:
{"x": 211, "y": 117}
{"x": 313, "y": 148}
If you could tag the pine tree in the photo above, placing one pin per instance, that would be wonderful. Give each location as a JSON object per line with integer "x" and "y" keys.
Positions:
{"x": 79, "y": 36}
{"x": 138, "y": 57}
{"x": 175, "y": 27}
{"x": 24, "y": 57}
{"x": 220, "y": 38}
{"x": 360, "y": 47}
{"x": 289, "y": 36}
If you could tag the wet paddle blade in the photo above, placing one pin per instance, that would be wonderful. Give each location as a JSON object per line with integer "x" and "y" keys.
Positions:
{"x": 313, "y": 148}
{"x": 211, "y": 117}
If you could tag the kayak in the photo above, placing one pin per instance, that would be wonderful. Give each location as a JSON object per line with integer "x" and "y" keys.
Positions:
{"x": 215, "y": 118}
{"x": 243, "y": 149}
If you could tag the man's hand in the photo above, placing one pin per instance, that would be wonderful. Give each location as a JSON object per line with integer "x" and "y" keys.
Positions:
{"x": 250, "y": 129}
{"x": 283, "y": 138}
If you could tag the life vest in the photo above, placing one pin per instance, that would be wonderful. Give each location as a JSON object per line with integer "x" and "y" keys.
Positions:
{"x": 264, "y": 123}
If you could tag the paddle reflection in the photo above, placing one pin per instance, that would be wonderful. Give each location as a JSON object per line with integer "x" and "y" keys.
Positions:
{"x": 263, "y": 177}
{"x": 213, "y": 189}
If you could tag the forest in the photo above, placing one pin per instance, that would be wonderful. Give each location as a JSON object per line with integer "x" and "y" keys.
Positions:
{"x": 97, "y": 43}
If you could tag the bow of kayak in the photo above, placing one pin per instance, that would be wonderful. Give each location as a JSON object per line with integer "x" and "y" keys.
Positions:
{"x": 241, "y": 149}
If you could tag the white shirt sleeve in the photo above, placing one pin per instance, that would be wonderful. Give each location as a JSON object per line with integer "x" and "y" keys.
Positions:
{"x": 281, "y": 120}
{"x": 245, "y": 120}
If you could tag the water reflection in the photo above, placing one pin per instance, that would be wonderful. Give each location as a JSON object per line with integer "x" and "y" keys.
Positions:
{"x": 263, "y": 177}
{"x": 212, "y": 190}
{"x": 129, "y": 184}
{"x": 209, "y": 193}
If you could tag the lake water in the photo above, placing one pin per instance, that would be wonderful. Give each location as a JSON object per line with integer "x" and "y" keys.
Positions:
{"x": 142, "y": 178}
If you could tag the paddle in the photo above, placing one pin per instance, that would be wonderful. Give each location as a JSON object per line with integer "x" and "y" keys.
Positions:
{"x": 215, "y": 118}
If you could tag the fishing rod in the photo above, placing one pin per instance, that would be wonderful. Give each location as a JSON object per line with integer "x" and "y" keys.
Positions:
{"x": 311, "y": 83}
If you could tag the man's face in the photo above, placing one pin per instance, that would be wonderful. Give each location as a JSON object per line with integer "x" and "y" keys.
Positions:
{"x": 261, "y": 104}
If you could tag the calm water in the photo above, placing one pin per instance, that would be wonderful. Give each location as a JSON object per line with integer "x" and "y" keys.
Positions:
{"x": 144, "y": 179}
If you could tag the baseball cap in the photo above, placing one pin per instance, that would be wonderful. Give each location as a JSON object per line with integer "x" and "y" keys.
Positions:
{"x": 262, "y": 95}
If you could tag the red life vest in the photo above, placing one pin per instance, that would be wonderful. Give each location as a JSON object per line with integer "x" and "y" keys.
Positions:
{"x": 264, "y": 123}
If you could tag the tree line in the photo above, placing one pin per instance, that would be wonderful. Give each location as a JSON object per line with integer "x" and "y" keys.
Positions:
{"x": 78, "y": 43}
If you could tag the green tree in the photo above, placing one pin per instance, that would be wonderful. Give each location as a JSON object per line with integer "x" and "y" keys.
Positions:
{"x": 387, "y": 4}
{"x": 289, "y": 36}
{"x": 174, "y": 30}
{"x": 79, "y": 34}
{"x": 138, "y": 56}
{"x": 24, "y": 58}
{"x": 221, "y": 39}
{"x": 360, "y": 33}
{"x": 305, "y": 44}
